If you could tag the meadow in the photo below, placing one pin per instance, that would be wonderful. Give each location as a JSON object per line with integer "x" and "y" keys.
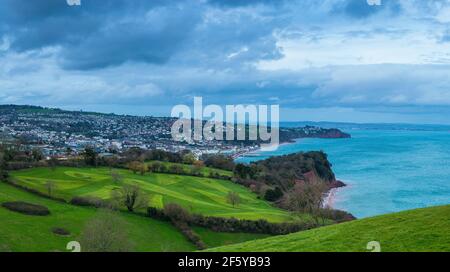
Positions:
{"x": 410, "y": 231}
{"x": 206, "y": 171}
{"x": 199, "y": 195}
{"x": 25, "y": 233}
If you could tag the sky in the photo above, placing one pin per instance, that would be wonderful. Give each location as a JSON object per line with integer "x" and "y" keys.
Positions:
{"x": 330, "y": 60}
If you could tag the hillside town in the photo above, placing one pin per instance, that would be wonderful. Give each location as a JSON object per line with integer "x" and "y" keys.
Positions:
{"x": 59, "y": 133}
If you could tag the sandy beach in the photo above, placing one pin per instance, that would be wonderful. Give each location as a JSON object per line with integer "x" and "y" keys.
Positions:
{"x": 329, "y": 199}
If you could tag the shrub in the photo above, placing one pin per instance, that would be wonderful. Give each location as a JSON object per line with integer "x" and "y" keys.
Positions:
{"x": 106, "y": 232}
{"x": 61, "y": 231}
{"x": 190, "y": 234}
{"x": 273, "y": 194}
{"x": 26, "y": 208}
{"x": 337, "y": 215}
{"x": 33, "y": 191}
{"x": 176, "y": 213}
{"x": 88, "y": 201}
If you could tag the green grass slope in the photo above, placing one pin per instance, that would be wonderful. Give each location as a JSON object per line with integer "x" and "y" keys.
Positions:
{"x": 410, "y": 231}
{"x": 19, "y": 233}
{"x": 206, "y": 171}
{"x": 199, "y": 195}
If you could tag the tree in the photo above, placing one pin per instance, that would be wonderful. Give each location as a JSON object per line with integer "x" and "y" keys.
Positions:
{"x": 116, "y": 177}
{"x": 189, "y": 158}
{"x": 130, "y": 196}
{"x": 143, "y": 168}
{"x": 53, "y": 162}
{"x": 176, "y": 169}
{"x": 135, "y": 166}
{"x": 156, "y": 166}
{"x": 197, "y": 168}
{"x": 3, "y": 167}
{"x": 233, "y": 198}
{"x": 176, "y": 213}
{"x": 51, "y": 187}
{"x": 69, "y": 151}
{"x": 273, "y": 194}
{"x": 106, "y": 232}
{"x": 36, "y": 154}
{"x": 90, "y": 156}
{"x": 219, "y": 161}
{"x": 306, "y": 197}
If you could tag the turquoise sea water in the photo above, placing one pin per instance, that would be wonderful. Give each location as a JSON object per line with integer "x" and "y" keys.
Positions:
{"x": 386, "y": 170}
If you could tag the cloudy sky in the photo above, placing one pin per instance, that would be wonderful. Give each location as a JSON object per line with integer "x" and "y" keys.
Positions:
{"x": 334, "y": 60}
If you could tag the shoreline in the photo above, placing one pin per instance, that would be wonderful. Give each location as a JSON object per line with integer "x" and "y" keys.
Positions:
{"x": 329, "y": 198}
{"x": 241, "y": 154}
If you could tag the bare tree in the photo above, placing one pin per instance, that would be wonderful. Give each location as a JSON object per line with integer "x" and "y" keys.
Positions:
{"x": 105, "y": 232}
{"x": 116, "y": 177}
{"x": 233, "y": 198}
{"x": 131, "y": 196}
{"x": 197, "y": 167}
{"x": 51, "y": 187}
{"x": 53, "y": 162}
{"x": 306, "y": 197}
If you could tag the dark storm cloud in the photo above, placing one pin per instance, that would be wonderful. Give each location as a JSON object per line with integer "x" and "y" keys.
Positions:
{"x": 98, "y": 33}
{"x": 299, "y": 53}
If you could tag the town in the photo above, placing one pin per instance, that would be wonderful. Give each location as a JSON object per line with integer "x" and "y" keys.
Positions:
{"x": 61, "y": 134}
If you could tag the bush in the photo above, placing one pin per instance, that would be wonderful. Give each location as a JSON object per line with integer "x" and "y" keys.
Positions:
{"x": 61, "y": 231}
{"x": 273, "y": 194}
{"x": 106, "y": 232}
{"x": 176, "y": 213}
{"x": 89, "y": 201}
{"x": 33, "y": 191}
{"x": 27, "y": 208}
{"x": 337, "y": 215}
{"x": 190, "y": 234}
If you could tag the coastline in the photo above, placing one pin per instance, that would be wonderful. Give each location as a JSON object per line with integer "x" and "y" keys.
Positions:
{"x": 241, "y": 154}
{"x": 329, "y": 198}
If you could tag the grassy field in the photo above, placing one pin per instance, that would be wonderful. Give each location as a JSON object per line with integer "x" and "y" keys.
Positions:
{"x": 411, "y": 231}
{"x": 19, "y": 233}
{"x": 215, "y": 239}
{"x": 199, "y": 195}
{"x": 206, "y": 171}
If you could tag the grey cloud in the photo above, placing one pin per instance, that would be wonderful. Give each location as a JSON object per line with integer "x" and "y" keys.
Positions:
{"x": 98, "y": 33}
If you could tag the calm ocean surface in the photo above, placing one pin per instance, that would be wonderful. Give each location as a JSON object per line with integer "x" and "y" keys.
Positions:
{"x": 386, "y": 170}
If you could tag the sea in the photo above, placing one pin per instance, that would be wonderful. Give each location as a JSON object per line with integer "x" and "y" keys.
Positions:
{"x": 387, "y": 168}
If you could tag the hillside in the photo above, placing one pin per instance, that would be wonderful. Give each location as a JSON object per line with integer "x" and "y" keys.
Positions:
{"x": 416, "y": 230}
{"x": 199, "y": 195}
{"x": 19, "y": 233}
